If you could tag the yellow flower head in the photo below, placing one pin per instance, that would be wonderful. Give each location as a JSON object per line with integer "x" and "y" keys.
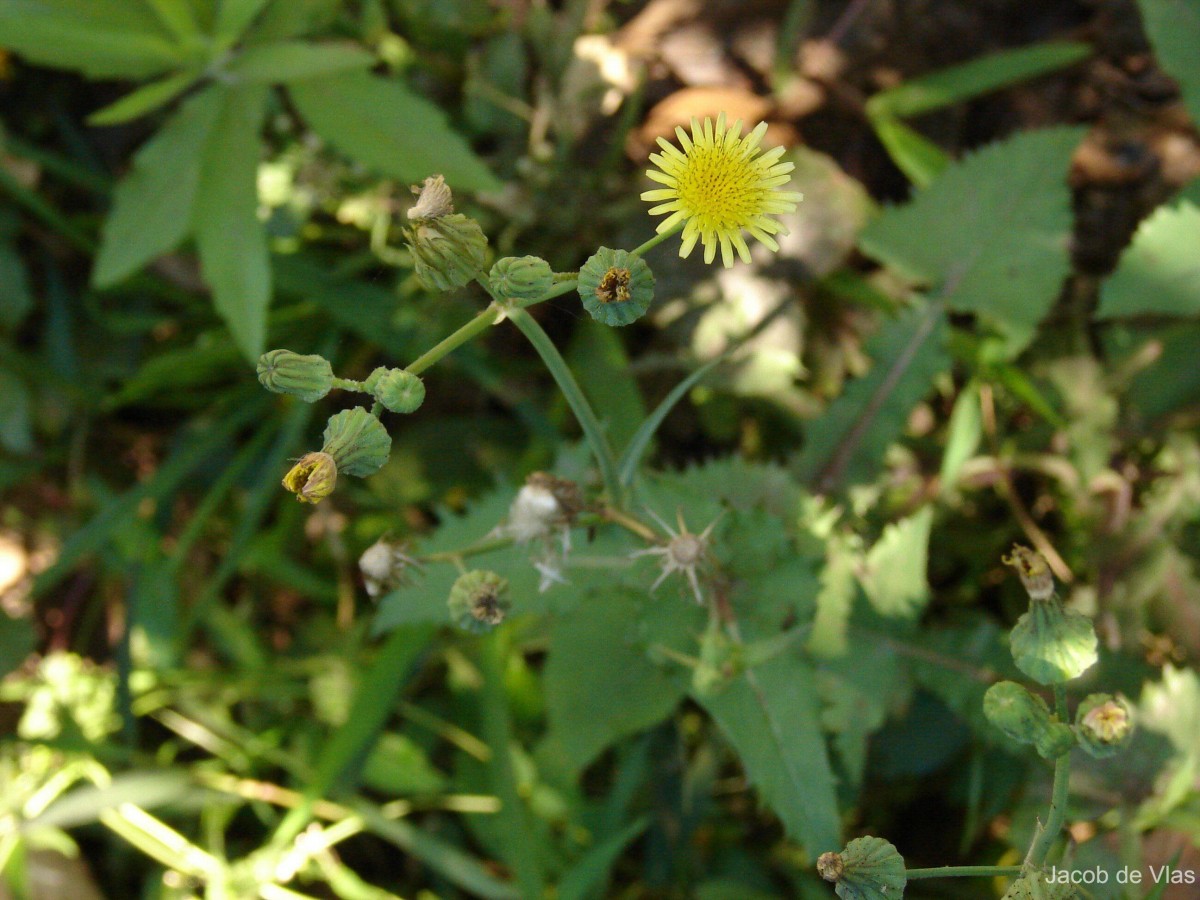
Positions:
{"x": 719, "y": 185}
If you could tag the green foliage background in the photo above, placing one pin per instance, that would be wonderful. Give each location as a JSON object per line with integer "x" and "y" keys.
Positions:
{"x": 202, "y": 700}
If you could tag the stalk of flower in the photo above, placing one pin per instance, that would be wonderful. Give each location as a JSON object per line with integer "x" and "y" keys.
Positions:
{"x": 720, "y": 185}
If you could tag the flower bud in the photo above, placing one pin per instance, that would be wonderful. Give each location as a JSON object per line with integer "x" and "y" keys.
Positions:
{"x": 870, "y": 868}
{"x": 1026, "y": 718}
{"x": 357, "y": 441}
{"x": 308, "y": 377}
{"x": 1104, "y": 724}
{"x": 312, "y": 478}
{"x": 616, "y": 287}
{"x": 477, "y": 601}
{"x": 398, "y": 390}
{"x": 521, "y": 277}
{"x": 1052, "y": 644}
{"x": 1033, "y": 571}
{"x": 447, "y": 251}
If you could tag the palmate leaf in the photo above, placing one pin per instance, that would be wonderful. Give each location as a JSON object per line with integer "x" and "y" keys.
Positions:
{"x": 384, "y": 125}
{"x": 100, "y": 38}
{"x": 1173, "y": 27}
{"x": 152, "y": 206}
{"x": 231, "y": 240}
{"x": 990, "y": 234}
{"x": 1160, "y": 272}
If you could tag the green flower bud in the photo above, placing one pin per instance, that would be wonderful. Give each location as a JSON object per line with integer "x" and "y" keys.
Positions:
{"x": 398, "y": 390}
{"x": 721, "y": 660}
{"x": 870, "y": 868}
{"x": 478, "y": 602}
{"x": 447, "y": 252}
{"x": 1054, "y": 740}
{"x": 312, "y": 478}
{"x": 616, "y": 286}
{"x": 284, "y": 372}
{"x": 1052, "y": 644}
{"x": 1104, "y": 724}
{"x": 1026, "y": 719}
{"x": 521, "y": 277}
{"x": 357, "y": 441}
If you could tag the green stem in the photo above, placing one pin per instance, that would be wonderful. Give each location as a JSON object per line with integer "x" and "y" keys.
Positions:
{"x": 1057, "y": 815}
{"x": 349, "y": 384}
{"x": 478, "y": 325}
{"x": 962, "y": 872}
{"x": 656, "y": 240}
{"x": 575, "y": 399}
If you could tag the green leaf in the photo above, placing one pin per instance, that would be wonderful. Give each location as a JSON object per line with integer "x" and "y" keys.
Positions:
{"x": 991, "y": 234}
{"x": 291, "y": 18}
{"x": 1173, "y": 27}
{"x": 600, "y": 683}
{"x": 596, "y": 352}
{"x": 296, "y": 61}
{"x": 914, "y": 154}
{"x": 99, "y": 40}
{"x": 846, "y": 445}
{"x": 963, "y": 435}
{"x": 152, "y": 205}
{"x": 979, "y": 76}
{"x": 235, "y": 16}
{"x": 894, "y": 575}
{"x": 835, "y": 600}
{"x": 17, "y": 641}
{"x": 588, "y": 875}
{"x": 232, "y": 242}
{"x": 1160, "y": 271}
{"x": 177, "y": 17}
{"x": 384, "y": 125}
{"x": 16, "y": 425}
{"x": 145, "y": 99}
{"x": 16, "y": 299}
{"x": 771, "y": 715}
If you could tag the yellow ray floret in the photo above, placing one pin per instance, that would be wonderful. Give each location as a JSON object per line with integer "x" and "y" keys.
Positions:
{"x": 720, "y": 185}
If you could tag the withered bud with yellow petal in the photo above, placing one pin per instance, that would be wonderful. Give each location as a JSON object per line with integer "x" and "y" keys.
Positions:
{"x": 433, "y": 199}
{"x": 1104, "y": 724}
{"x": 1033, "y": 570}
{"x": 312, "y": 478}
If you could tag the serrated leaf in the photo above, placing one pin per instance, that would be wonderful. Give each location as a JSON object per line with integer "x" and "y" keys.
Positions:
{"x": 297, "y": 60}
{"x": 846, "y": 445}
{"x": 770, "y": 714}
{"x": 1160, "y": 271}
{"x": 232, "y": 242}
{"x": 145, "y": 99}
{"x": 384, "y": 125}
{"x": 835, "y": 599}
{"x": 893, "y": 577}
{"x": 991, "y": 234}
{"x": 1173, "y": 27}
{"x": 152, "y": 205}
{"x": 600, "y": 682}
{"x": 100, "y": 39}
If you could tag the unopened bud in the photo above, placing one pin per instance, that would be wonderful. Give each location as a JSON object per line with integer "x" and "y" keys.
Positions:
{"x": 1052, "y": 644}
{"x": 312, "y": 478}
{"x": 447, "y": 252}
{"x": 521, "y": 277}
{"x": 477, "y": 601}
{"x": 398, "y": 390}
{"x": 284, "y": 372}
{"x": 357, "y": 442}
